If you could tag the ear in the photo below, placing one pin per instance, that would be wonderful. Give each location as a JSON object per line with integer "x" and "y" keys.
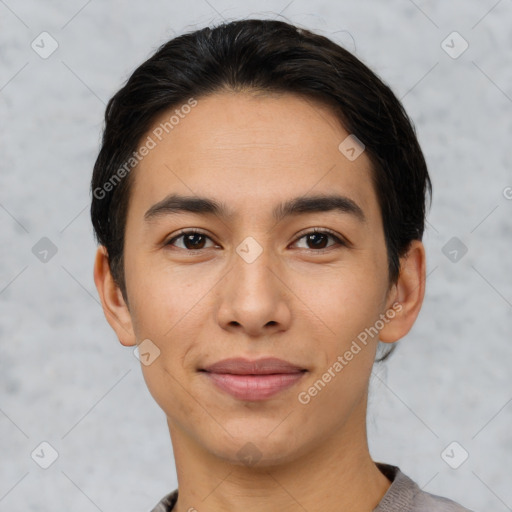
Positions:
{"x": 407, "y": 294}
{"x": 114, "y": 307}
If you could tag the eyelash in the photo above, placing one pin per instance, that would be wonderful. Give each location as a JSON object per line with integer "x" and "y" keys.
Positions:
{"x": 328, "y": 232}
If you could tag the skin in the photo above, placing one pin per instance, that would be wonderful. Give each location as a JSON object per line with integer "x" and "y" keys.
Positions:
{"x": 295, "y": 301}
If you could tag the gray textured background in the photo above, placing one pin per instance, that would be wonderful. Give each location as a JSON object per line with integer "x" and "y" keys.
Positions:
{"x": 66, "y": 380}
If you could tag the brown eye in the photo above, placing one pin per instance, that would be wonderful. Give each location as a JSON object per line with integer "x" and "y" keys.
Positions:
{"x": 318, "y": 239}
{"x": 191, "y": 240}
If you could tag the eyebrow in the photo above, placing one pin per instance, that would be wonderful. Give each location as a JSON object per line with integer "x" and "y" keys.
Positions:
{"x": 175, "y": 204}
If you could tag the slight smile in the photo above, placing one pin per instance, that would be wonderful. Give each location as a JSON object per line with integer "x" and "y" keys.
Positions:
{"x": 253, "y": 380}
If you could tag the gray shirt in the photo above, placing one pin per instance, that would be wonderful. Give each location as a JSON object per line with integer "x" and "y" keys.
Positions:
{"x": 403, "y": 495}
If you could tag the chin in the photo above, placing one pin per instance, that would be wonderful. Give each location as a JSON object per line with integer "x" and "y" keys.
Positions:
{"x": 255, "y": 451}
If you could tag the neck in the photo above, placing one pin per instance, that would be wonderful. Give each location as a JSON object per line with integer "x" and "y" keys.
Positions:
{"x": 337, "y": 474}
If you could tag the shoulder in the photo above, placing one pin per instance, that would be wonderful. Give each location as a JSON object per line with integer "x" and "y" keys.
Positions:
{"x": 426, "y": 502}
{"x": 166, "y": 504}
{"x": 404, "y": 495}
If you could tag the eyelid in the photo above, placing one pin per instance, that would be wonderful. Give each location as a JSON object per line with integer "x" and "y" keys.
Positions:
{"x": 187, "y": 231}
{"x": 326, "y": 231}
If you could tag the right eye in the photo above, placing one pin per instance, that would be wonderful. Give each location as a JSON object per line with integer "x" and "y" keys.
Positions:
{"x": 192, "y": 240}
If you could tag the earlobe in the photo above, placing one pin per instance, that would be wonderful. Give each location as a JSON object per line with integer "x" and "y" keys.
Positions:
{"x": 409, "y": 293}
{"x": 114, "y": 307}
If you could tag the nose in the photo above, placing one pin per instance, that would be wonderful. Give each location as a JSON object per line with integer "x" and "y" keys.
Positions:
{"x": 254, "y": 299}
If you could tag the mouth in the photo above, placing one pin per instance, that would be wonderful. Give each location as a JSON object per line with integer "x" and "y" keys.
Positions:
{"x": 253, "y": 380}
{"x": 242, "y": 366}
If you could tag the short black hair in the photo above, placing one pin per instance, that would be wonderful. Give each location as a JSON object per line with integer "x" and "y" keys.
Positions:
{"x": 263, "y": 56}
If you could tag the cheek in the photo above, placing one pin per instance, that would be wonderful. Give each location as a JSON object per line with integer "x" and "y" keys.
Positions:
{"x": 161, "y": 295}
{"x": 340, "y": 301}
{"x": 346, "y": 306}
{"x": 168, "y": 306}
{"x": 164, "y": 385}
{"x": 166, "y": 311}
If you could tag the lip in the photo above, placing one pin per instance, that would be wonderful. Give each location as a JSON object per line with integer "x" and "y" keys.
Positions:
{"x": 242, "y": 366}
{"x": 253, "y": 380}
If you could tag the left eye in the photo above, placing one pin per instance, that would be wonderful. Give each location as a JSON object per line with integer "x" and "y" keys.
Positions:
{"x": 318, "y": 238}
{"x": 195, "y": 240}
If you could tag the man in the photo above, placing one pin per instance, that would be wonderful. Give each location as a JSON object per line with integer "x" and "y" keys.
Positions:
{"x": 259, "y": 200}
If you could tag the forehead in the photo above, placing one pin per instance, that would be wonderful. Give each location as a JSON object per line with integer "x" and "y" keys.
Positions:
{"x": 251, "y": 151}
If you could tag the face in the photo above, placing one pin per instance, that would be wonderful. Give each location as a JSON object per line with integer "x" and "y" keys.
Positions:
{"x": 253, "y": 279}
